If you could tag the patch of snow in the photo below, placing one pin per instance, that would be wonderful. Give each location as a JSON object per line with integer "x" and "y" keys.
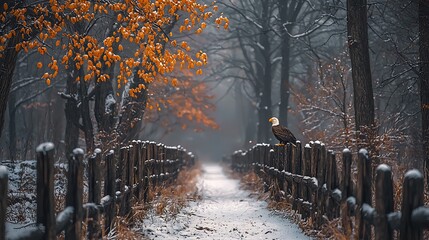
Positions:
{"x": 364, "y": 152}
{"x": 414, "y": 174}
{"x": 346, "y": 150}
{"x": 45, "y": 147}
{"x": 78, "y": 151}
{"x": 383, "y": 167}
{"x": 225, "y": 212}
{"x": 3, "y": 172}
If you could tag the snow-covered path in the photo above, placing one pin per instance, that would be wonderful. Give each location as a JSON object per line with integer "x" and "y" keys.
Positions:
{"x": 225, "y": 212}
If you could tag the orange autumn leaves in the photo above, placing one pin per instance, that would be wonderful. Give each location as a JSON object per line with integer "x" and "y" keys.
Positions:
{"x": 185, "y": 99}
{"x": 140, "y": 24}
{"x": 65, "y": 33}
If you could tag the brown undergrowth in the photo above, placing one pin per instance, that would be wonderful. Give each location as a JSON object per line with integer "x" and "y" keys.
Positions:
{"x": 331, "y": 229}
{"x": 166, "y": 201}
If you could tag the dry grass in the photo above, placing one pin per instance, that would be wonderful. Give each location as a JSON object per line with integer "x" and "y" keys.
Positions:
{"x": 331, "y": 229}
{"x": 166, "y": 201}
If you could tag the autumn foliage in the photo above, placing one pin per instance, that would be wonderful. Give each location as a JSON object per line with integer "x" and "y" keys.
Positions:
{"x": 70, "y": 34}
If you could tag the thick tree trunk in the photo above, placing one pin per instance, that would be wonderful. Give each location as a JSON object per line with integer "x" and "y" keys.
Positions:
{"x": 105, "y": 103}
{"x": 7, "y": 67}
{"x": 12, "y": 127}
{"x": 361, "y": 73}
{"x": 285, "y": 81}
{"x": 71, "y": 110}
{"x": 424, "y": 78}
{"x": 133, "y": 110}
{"x": 86, "y": 113}
{"x": 264, "y": 108}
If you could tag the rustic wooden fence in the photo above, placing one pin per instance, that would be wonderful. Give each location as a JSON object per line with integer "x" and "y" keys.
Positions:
{"x": 309, "y": 179}
{"x": 129, "y": 175}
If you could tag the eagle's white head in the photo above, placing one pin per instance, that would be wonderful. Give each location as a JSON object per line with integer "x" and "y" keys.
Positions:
{"x": 274, "y": 121}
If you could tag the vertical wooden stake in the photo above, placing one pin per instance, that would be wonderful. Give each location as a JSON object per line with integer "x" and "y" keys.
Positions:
{"x": 45, "y": 188}
{"x": 363, "y": 195}
{"x": 110, "y": 189}
{"x": 94, "y": 191}
{"x": 383, "y": 202}
{"x": 3, "y": 200}
{"x": 412, "y": 197}
{"x": 74, "y": 194}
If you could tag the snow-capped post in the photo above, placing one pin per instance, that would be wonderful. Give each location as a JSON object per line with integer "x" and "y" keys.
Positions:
{"x": 288, "y": 167}
{"x": 346, "y": 191}
{"x": 123, "y": 165}
{"x": 94, "y": 191}
{"x": 321, "y": 162}
{"x": 383, "y": 202}
{"x": 294, "y": 185}
{"x": 45, "y": 189}
{"x": 129, "y": 179}
{"x": 145, "y": 164}
{"x": 363, "y": 193}
{"x": 298, "y": 170}
{"x": 412, "y": 198}
{"x": 141, "y": 151}
{"x": 329, "y": 178}
{"x": 271, "y": 159}
{"x": 3, "y": 200}
{"x": 335, "y": 186}
{"x": 315, "y": 160}
{"x": 281, "y": 166}
{"x": 306, "y": 171}
{"x": 109, "y": 189}
{"x": 75, "y": 193}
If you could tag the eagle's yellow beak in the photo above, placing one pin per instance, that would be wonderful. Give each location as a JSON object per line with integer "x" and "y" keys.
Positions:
{"x": 270, "y": 120}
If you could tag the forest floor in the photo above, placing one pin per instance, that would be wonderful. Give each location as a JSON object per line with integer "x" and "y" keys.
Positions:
{"x": 225, "y": 211}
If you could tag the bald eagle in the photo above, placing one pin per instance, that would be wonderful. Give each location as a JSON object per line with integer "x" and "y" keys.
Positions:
{"x": 282, "y": 134}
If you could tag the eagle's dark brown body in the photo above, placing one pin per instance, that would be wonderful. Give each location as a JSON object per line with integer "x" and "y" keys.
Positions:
{"x": 283, "y": 134}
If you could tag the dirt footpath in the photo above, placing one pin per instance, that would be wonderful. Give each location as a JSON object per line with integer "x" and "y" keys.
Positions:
{"x": 225, "y": 212}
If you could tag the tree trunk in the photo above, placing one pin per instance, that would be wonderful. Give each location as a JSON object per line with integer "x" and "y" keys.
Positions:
{"x": 288, "y": 11}
{"x": 71, "y": 137}
{"x": 12, "y": 127}
{"x": 361, "y": 73}
{"x": 86, "y": 113}
{"x": 424, "y": 78}
{"x": 264, "y": 108}
{"x": 7, "y": 67}
{"x": 132, "y": 110}
{"x": 285, "y": 82}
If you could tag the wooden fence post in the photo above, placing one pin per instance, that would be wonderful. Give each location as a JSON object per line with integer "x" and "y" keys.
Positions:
{"x": 4, "y": 178}
{"x": 364, "y": 186}
{"x": 94, "y": 191}
{"x": 335, "y": 185}
{"x": 329, "y": 206}
{"x": 346, "y": 191}
{"x": 122, "y": 178}
{"x": 45, "y": 189}
{"x": 306, "y": 171}
{"x": 140, "y": 172}
{"x": 110, "y": 189}
{"x": 412, "y": 197}
{"x": 298, "y": 170}
{"x": 74, "y": 194}
{"x": 293, "y": 166}
{"x": 319, "y": 160}
{"x": 383, "y": 202}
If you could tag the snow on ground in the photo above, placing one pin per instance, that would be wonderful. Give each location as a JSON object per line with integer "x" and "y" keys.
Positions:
{"x": 225, "y": 212}
{"x": 22, "y": 189}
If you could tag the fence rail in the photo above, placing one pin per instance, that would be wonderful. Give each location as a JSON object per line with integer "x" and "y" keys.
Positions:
{"x": 309, "y": 179}
{"x": 130, "y": 174}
